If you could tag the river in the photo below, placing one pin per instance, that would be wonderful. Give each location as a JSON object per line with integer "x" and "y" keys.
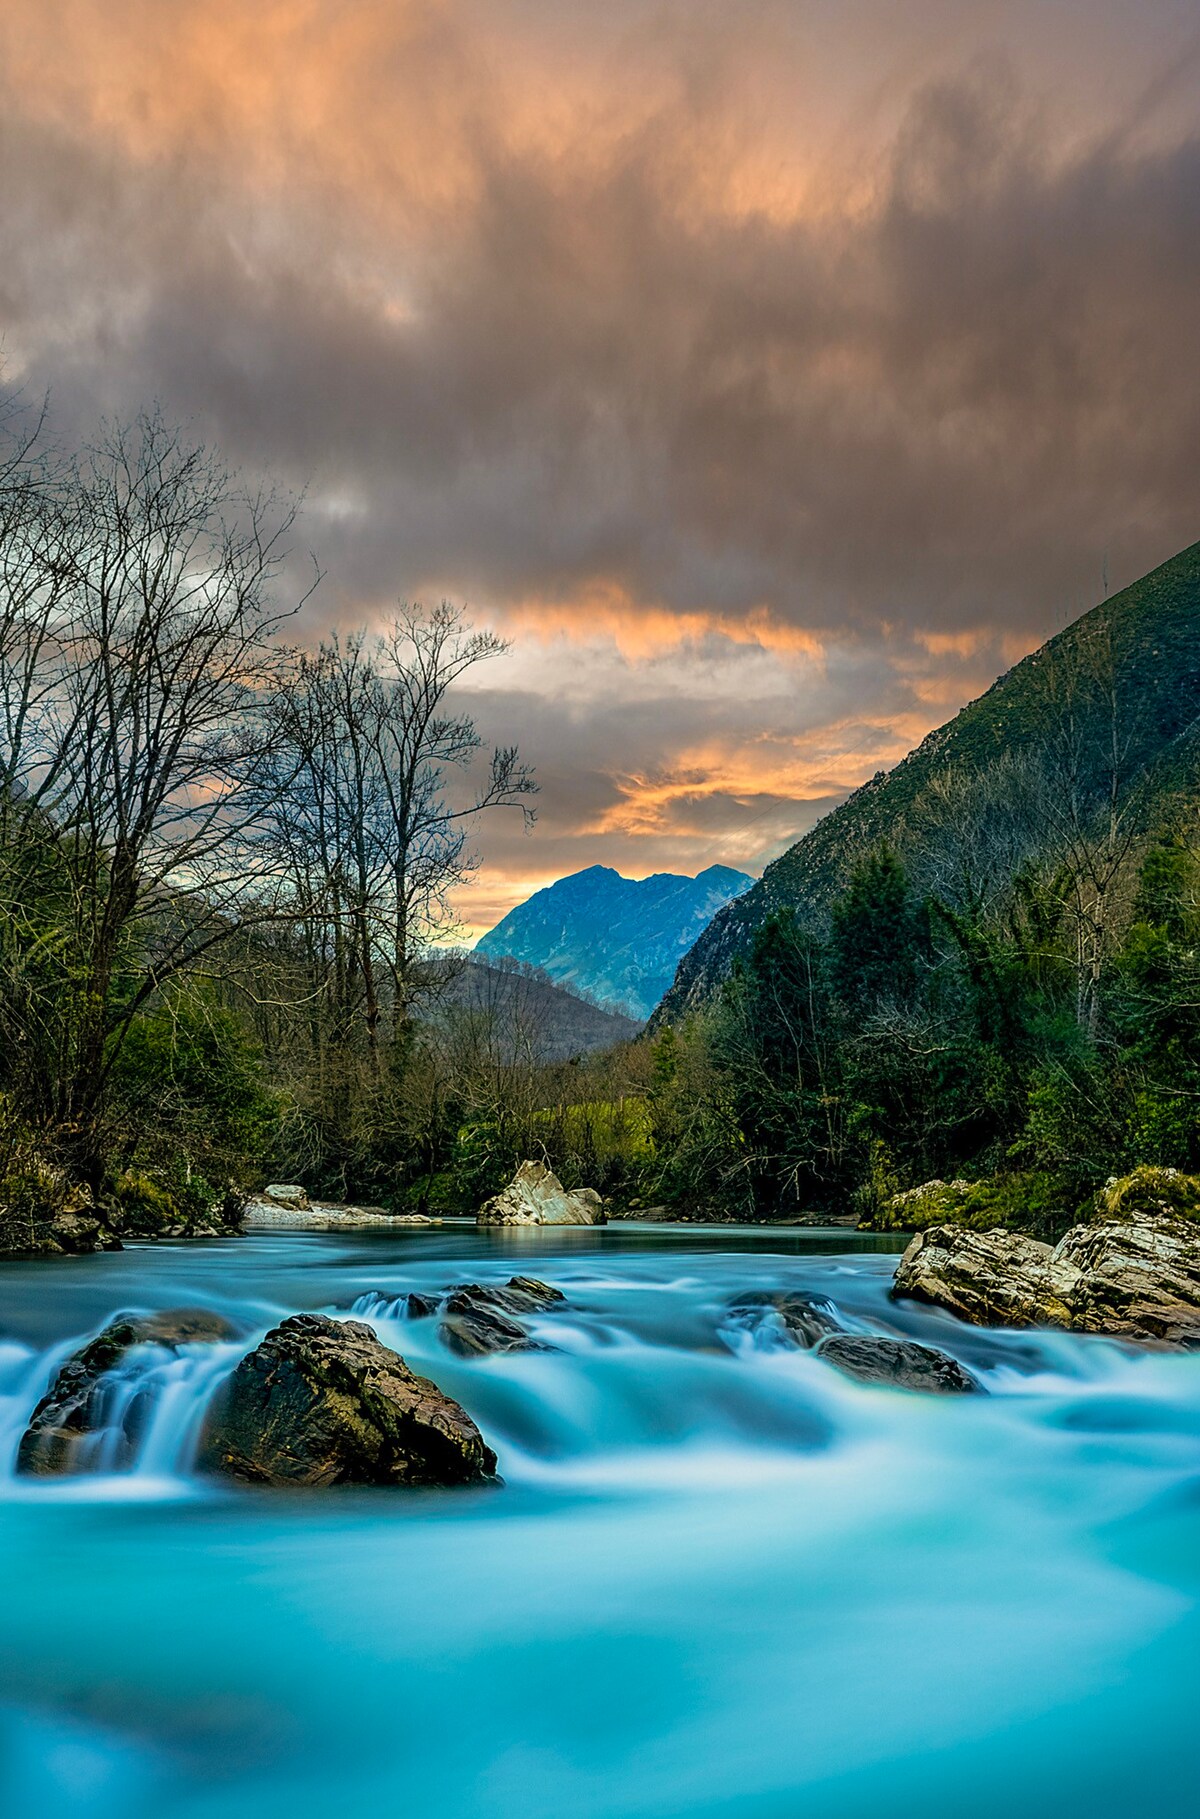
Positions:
{"x": 721, "y": 1581}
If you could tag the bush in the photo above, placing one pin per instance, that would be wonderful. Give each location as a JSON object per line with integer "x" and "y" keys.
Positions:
{"x": 1032, "y": 1201}
{"x": 1148, "y": 1193}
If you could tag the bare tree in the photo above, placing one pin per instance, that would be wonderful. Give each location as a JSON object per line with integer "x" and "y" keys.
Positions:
{"x": 137, "y": 632}
{"x": 368, "y": 808}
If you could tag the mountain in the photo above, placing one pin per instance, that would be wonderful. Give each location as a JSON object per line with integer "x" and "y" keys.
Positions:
{"x": 618, "y": 938}
{"x": 521, "y": 1015}
{"x": 1141, "y": 648}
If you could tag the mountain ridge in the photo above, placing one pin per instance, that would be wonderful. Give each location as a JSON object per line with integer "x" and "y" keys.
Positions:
{"x": 617, "y": 938}
{"x": 1154, "y": 630}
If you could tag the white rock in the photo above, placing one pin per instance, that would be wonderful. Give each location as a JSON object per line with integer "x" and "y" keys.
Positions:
{"x": 285, "y": 1194}
{"x": 536, "y": 1196}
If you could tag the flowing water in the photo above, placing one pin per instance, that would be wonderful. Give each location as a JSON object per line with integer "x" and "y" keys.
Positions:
{"x": 721, "y": 1580}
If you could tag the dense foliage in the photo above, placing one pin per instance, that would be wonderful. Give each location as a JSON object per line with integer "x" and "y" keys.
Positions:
{"x": 225, "y": 874}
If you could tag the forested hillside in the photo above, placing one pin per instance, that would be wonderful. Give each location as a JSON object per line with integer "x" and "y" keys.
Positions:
{"x": 1129, "y": 672}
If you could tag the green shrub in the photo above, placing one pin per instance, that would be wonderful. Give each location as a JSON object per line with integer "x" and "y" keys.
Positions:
{"x": 1148, "y": 1192}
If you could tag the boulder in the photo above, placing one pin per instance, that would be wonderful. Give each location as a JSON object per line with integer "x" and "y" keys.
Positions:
{"x": 995, "y": 1278}
{"x": 74, "y": 1406}
{"x": 898, "y": 1364}
{"x": 79, "y": 1234}
{"x": 1135, "y": 1281}
{"x": 322, "y": 1402}
{"x": 933, "y": 1203}
{"x": 476, "y": 1320}
{"x": 806, "y": 1319}
{"x": 287, "y": 1194}
{"x": 1138, "y": 1279}
{"x": 535, "y": 1196}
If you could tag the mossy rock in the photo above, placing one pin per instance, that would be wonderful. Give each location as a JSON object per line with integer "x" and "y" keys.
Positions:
{"x": 933, "y": 1203}
{"x": 1149, "y": 1193}
{"x": 1021, "y": 1201}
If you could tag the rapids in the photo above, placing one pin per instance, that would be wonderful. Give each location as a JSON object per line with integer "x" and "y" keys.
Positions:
{"x": 721, "y": 1580}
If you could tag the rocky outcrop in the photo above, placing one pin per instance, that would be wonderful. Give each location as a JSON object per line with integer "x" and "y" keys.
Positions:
{"x": 323, "y": 1402}
{"x": 536, "y": 1196}
{"x": 262, "y": 1215}
{"x": 898, "y": 1364}
{"x": 806, "y": 1319}
{"x": 477, "y": 1320}
{"x": 995, "y": 1278}
{"x": 933, "y": 1203}
{"x": 1137, "y": 1279}
{"x": 74, "y": 1406}
{"x": 287, "y": 1194}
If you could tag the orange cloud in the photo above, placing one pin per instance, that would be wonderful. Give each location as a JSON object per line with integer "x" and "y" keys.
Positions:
{"x": 786, "y": 771}
{"x": 641, "y": 632}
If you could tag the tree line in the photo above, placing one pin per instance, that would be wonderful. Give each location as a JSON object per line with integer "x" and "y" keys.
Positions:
{"x": 225, "y": 856}
{"x": 228, "y": 858}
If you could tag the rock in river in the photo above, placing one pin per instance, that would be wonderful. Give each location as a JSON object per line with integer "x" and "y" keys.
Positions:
{"x": 74, "y": 1406}
{"x": 898, "y": 1364}
{"x": 323, "y": 1402}
{"x": 477, "y": 1319}
{"x": 536, "y": 1196}
{"x": 805, "y": 1318}
{"x": 1135, "y": 1280}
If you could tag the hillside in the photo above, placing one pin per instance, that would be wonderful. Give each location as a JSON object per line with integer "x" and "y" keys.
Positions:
{"x": 523, "y": 1016}
{"x": 619, "y": 939}
{"x": 1151, "y": 629}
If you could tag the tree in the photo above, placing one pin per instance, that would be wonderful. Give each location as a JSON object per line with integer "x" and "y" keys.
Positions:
{"x": 366, "y": 811}
{"x": 132, "y": 655}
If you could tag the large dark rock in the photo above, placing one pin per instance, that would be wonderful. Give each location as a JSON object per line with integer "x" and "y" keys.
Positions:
{"x": 806, "y": 1318}
{"x": 898, "y": 1364}
{"x": 323, "y": 1402}
{"x": 74, "y": 1406}
{"x": 1137, "y": 1279}
{"x": 477, "y": 1319}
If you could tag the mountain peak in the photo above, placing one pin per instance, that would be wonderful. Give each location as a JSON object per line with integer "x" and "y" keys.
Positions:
{"x": 615, "y": 937}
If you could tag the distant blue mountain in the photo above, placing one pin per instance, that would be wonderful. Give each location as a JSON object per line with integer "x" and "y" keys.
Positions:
{"x": 617, "y": 938}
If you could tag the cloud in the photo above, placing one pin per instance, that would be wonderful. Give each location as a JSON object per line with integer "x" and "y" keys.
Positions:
{"x": 686, "y": 343}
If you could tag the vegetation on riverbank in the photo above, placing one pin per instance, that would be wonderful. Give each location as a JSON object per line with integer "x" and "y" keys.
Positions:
{"x": 225, "y": 870}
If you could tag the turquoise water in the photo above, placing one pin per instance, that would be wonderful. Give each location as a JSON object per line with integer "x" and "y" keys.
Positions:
{"x": 720, "y": 1580}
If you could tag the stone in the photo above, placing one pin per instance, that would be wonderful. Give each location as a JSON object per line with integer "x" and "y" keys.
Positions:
{"x": 79, "y": 1234}
{"x": 993, "y": 1278}
{"x": 322, "y": 1402}
{"x": 535, "y": 1196}
{"x": 807, "y": 1319}
{"x": 477, "y": 1320}
{"x": 934, "y": 1202}
{"x": 1137, "y": 1280}
{"x": 73, "y": 1406}
{"x": 325, "y": 1216}
{"x": 898, "y": 1364}
{"x": 287, "y": 1194}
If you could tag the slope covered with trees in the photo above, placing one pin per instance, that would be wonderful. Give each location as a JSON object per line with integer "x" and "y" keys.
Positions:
{"x": 1111, "y": 702}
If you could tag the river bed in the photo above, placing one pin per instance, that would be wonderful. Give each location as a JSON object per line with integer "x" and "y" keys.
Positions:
{"x": 720, "y": 1581}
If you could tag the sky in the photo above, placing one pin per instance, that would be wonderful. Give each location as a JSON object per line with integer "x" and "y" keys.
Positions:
{"x": 772, "y": 374}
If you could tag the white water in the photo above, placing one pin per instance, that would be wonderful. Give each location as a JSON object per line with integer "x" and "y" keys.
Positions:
{"x": 721, "y": 1580}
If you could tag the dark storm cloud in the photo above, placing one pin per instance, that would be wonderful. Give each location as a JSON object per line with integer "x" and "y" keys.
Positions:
{"x": 945, "y": 407}
{"x": 581, "y": 315}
